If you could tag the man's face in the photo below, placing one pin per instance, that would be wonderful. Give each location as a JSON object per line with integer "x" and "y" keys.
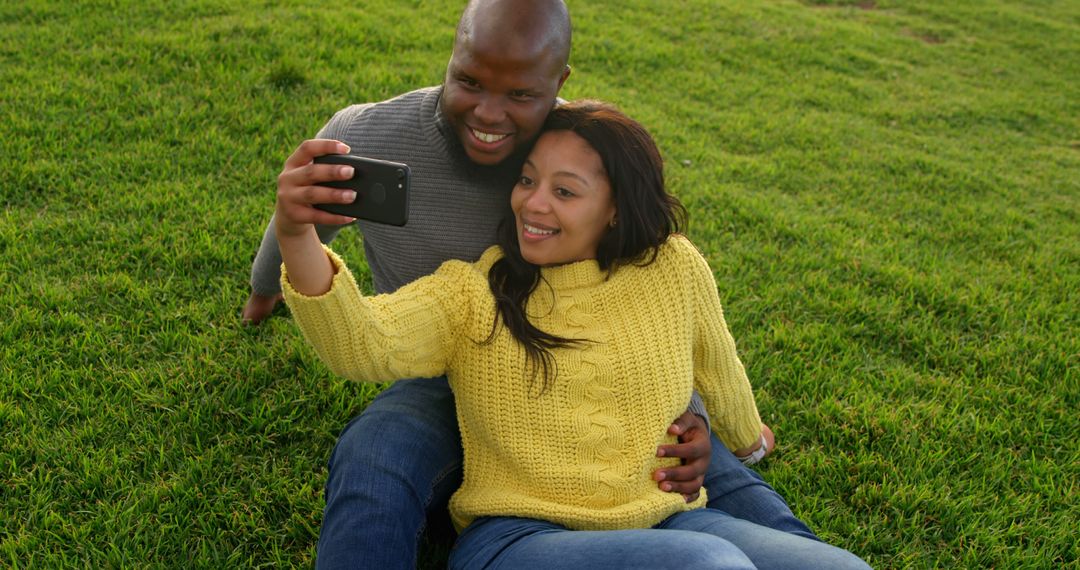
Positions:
{"x": 496, "y": 100}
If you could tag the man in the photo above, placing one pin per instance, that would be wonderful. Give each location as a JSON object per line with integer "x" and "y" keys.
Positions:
{"x": 465, "y": 142}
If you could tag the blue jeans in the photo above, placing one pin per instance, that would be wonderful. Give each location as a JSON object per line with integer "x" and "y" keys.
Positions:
{"x": 703, "y": 538}
{"x": 400, "y": 460}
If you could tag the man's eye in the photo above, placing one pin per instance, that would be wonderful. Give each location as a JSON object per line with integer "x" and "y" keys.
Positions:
{"x": 521, "y": 95}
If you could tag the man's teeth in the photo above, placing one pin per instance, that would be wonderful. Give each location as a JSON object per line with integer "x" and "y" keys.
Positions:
{"x": 537, "y": 231}
{"x": 488, "y": 137}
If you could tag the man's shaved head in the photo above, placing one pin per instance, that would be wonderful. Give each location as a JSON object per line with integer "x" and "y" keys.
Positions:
{"x": 529, "y": 28}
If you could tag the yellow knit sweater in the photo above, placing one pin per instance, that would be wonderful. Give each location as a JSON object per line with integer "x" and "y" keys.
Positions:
{"x": 582, "y": 453}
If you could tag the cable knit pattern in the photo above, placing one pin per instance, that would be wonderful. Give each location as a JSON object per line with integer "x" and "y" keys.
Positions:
{"x": 593, "y": 402}
{"x": 581, "y": 454}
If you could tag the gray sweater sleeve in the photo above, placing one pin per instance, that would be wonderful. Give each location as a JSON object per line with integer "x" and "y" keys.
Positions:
{"x": 266, "y": 269}
{"x": 697, "y": 405}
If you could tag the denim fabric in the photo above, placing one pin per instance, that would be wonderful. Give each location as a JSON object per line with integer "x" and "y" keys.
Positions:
{"x": 399, "y": 457}
{"x": 743, "y": 493}
{"x": 701, "y": 539}
{"x": 400, "y": 460}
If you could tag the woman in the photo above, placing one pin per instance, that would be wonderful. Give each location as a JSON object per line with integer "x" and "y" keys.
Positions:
{"x": 570, "y": 346}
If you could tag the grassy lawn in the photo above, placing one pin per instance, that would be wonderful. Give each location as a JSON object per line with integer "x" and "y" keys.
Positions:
{"x": 888, "y": 193}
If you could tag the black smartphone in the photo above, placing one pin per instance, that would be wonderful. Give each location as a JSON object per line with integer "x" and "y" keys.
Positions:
{"x": 381, "y": 186}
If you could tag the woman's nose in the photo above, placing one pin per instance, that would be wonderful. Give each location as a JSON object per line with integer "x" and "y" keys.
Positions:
{"x": 537, "y": 200}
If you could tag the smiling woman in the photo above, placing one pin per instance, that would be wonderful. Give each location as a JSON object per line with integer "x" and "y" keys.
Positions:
{"x": 562, "y": 203}
{"x": 591, "y": 165}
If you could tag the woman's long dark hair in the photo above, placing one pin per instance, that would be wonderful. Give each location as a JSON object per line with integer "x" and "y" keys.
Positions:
{"x": 645, "y": 216}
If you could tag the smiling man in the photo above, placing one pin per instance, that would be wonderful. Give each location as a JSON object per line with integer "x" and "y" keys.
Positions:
{"x": 499, "y": 87}
{"x": 465, "y": 142}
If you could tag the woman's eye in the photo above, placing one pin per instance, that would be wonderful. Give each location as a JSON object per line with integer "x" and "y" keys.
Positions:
{"x": 563, "y": 192}
{"x": 525, "y": 181}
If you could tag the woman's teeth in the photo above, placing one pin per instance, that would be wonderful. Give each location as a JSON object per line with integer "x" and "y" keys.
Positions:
{"x": 537, "y": 231}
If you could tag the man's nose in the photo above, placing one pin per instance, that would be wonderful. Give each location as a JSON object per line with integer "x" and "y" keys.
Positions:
{"x": 490, "y": 110}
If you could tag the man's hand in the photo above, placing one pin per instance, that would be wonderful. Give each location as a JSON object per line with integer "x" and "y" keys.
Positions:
{"x": 695, "y": 450}
{"x": 258, "y": 308}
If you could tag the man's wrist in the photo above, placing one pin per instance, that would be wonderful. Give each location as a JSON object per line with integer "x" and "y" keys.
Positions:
{"x": 757, "y": 455}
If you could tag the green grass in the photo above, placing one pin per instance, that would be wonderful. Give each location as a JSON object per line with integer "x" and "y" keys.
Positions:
{"x": 888, "y": 193}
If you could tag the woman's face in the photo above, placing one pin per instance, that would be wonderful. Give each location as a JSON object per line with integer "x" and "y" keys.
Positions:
{"x": 563, "y": 202}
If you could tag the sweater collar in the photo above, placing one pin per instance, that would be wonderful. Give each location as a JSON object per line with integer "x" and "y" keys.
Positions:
{"x": 437, "y": 129}
{"x": 586, "y": 273}
{"x": 435, "y": 124}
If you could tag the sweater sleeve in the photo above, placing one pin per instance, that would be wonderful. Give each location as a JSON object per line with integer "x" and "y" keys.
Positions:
{"x": 406, "y": 334}
{"x": 697, "y": 406}
{"x": 719, "y": 375}
{"x": 265, "y": 273}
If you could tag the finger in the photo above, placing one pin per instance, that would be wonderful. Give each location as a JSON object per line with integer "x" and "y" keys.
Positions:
{"x": 307, "y": 196}
{"x": 688, "y": 451}
{"x": 311, "y": 174}
{"x": 328, "y": 219}
{"x": 681, "y": 474}
{"x": 682, "y": 423}
{"x": 692, "y": 497}
{"x": 309, "y": 149}
{"x": 682, "y": 487}
{"x": 300, "y": 214}
{"x": 315, "y": 173}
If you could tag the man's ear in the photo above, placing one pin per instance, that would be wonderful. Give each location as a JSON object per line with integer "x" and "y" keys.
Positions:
{"x": 562, "y": 78}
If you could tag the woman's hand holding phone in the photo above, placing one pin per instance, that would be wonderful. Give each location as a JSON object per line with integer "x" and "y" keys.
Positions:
{"x": 299, "y": 190}
{"x": 309, "y": 269}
